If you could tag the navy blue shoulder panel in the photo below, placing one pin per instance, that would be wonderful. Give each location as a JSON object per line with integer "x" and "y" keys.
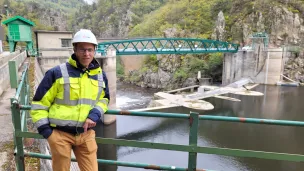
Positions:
{"x": 105, "y": 79}
{"x": 93, "y": 77}
{"x": 47, "y": 82}
{"x": 73, "y": 72}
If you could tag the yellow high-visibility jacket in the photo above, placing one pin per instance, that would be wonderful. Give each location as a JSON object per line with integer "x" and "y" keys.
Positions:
{"x": 68, "y": 95}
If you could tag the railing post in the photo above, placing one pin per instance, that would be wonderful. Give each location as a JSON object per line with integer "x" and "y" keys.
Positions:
{"x": 193, "y": 123}
{"x": 19, "y": 156}
{"x": 13, "y": 71}
{"x": 27, "y": 92}
{"x": 22, "y": 93}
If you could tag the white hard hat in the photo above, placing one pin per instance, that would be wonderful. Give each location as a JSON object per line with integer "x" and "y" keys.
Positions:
{"x": 84, "y": 35}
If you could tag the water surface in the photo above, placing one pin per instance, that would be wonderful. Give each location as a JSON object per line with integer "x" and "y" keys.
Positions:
{"x": 283, "y": 103}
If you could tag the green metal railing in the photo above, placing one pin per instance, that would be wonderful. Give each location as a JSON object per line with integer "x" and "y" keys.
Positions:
{"x": 166, "y": 46}
{"x": 20, "y": 106}
{"x": 22, "y": 97}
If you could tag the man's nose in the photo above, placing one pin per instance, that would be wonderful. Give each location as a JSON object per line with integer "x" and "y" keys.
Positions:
{"x": 86, "y": 52}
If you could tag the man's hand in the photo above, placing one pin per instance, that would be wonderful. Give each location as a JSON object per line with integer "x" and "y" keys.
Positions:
{"x": 88, "y": 124}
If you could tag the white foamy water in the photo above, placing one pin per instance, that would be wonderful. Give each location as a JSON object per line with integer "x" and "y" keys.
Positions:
{"x": 124, "y": 101}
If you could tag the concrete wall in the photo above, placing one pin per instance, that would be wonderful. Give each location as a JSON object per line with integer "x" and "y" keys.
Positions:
{"x": 7, "y": 56}
{"x": 109, "y": 66}
{"x": 55, "y": 52}
{"x": 275, "y": 66}
{"x": 48, "y": 62}
{"x": 52, "y": 39}
{"x": 261, "y": 65}
{"x": 4, "y": 70}
{"x": 49, "y": 43}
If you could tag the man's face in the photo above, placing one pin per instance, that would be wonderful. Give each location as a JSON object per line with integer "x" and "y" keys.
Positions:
{"x": 84, "y": 53}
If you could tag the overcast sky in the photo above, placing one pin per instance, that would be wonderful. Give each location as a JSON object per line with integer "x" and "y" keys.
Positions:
{"x": 90, "y": 1}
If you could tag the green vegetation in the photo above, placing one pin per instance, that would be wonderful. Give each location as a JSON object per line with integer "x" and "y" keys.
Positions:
{"x": 119, "y": 67}
{"x": 210, "y": 66}
{"x": 193, "y": 17}
{"x": 151, "y": 62}
{"x": 61, "y": 5}
{"x": 295, "y": 50}
{"x": 141, "y": 8}
{"x": 105, "y": 15}
{"x": 150, "y": 18}
{"x": 32, "y": 10}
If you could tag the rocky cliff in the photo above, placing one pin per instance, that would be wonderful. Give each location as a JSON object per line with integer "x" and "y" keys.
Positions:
{"x": 285, "y": 26}
{"x": 294, "y": 68}
{"x": 52, "y": 18}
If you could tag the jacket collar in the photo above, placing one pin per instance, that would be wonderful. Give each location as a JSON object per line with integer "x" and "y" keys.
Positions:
{"x": 94, "y": 66}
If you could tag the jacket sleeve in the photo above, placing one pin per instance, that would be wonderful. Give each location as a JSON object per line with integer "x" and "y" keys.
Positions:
{"x": 97, "y": 113}
{"x": 41, "y": 103}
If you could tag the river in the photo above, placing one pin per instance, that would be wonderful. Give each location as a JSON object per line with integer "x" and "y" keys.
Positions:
{"x": 277, "y": 103}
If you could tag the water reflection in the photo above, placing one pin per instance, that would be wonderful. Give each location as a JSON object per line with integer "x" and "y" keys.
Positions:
{"x": 278, "y": 103}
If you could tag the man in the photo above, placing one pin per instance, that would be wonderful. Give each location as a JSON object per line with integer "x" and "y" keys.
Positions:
{"x": 69, "y": 101}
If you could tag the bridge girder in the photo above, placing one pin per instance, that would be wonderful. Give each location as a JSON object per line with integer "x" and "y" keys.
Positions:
{"x": 167, "y": 46}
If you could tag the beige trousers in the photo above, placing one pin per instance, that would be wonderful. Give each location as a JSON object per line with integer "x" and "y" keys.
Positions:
{"x": 83, "y": 145}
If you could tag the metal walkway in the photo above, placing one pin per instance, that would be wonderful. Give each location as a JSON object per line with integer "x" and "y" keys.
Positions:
{"x": 166, "y": 46}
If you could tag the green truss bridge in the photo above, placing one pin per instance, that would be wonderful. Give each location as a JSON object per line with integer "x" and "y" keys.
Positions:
{"x": 166, "y": 46}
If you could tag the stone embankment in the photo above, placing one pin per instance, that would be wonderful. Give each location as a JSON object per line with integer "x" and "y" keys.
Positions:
{"x": 294, "y": 69}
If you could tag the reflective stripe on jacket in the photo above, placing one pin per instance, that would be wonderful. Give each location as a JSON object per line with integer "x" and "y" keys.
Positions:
{"x": 67, "y": 96}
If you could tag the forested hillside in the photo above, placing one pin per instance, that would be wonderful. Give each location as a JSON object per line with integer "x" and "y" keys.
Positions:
{"x": 47, "y": 14}
{"x": 146, "y": 18}
{"x": 66, "y": 5}
{"x": 113, "y": 18}
{"x": 197, "y": 18}
{"x": 225, "y": 20}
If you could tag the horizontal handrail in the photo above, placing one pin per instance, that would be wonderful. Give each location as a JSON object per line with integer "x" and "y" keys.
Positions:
{"x": 188, "y": 148}
{"x": 201, "y": 117}
{"x": 120, "y": 163}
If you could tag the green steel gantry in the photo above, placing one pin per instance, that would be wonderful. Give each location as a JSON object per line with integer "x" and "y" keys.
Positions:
{"x": 166, "y": 46}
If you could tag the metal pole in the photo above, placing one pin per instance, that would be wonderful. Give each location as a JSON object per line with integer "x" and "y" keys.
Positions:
{"x": 19, "y": 156}
{"x": 283, "y": 62}
{"x": 27, "y": 90}
{"x": 120, "y": 163}
{"x": 22, "y": 94}
{"x": 202, "y": 117}
{"x": 267, "y": 63}
{"x": 193, "y": 123}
